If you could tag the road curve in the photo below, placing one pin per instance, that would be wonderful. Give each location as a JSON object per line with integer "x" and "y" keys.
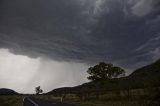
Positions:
{"x": 30, "y": 101}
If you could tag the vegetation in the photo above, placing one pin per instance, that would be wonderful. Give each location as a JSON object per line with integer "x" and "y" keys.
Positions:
{"x": 38, "y": 90}
{"x": 141, "y": 88}
{"x": 11, "y": 100}
{"x": 145, "y": 77}
{"x": 104, "y": 71}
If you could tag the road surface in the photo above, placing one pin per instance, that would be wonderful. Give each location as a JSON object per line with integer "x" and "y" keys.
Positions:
{"x": 30, "y": 101}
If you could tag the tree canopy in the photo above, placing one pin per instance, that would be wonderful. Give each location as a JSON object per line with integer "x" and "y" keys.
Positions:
{"x": 103, "y": 71}
{"x": 38, "y": 90}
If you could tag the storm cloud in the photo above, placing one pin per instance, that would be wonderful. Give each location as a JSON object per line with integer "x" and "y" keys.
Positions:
{"x": 78, "y": 30}
{"x": 124, "y": 32}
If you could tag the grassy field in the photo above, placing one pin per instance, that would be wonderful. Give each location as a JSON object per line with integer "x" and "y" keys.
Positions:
{"x": 107, "y": 102}
{"x": 17, "y": 101}
{"x": 117, "y": 103}
{"x": 11, "y": 100}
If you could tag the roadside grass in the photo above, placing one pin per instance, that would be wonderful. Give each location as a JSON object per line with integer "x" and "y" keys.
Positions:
{"x": 11, "y": 100}
{"x": 48, "y": 98}
{"x": 104, "y": 102}
{"x": 116, "y": 103}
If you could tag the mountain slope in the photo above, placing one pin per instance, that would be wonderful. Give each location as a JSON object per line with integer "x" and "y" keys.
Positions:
{"x": 4, "y": 91}
{"x": 148, "y": 76}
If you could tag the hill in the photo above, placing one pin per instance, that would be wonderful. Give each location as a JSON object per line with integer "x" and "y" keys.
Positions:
{"x": 147, "y": 76}
{"x": 4, "y": 91}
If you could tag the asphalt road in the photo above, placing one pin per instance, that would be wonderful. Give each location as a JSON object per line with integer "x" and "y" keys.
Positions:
{"x": 30, "y": 101}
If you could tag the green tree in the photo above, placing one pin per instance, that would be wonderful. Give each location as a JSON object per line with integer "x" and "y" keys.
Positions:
{"x": 38, "y": 90}
{"x": 104, "y": 71}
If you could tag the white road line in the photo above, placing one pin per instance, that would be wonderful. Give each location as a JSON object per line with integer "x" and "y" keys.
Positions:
{"x": 33, "y": 102}
{"x": 23, "y": 99}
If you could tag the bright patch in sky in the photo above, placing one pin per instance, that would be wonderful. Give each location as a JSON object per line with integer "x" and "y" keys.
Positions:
{"x": 23, "y": 73}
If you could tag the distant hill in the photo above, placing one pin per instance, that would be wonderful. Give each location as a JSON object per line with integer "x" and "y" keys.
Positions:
{"x": 4, "y": 91}
{"x": 147, "y": 76}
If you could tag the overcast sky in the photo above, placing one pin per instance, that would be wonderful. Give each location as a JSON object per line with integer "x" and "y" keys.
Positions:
{"x": 51, "y": 43}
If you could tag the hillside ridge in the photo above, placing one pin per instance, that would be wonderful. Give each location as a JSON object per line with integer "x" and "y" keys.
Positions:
{"x": 147, "y": 76}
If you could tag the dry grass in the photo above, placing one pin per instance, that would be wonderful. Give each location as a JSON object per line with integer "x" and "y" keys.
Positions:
{"x": 105, "y": 102}
{"x": 11, "y": 100}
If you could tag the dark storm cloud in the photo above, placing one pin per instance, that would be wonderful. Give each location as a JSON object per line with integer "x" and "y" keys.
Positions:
{"x": 52, "y": 27}
{"x": 122, "y": 29}
{"x": 82, "y": 30}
